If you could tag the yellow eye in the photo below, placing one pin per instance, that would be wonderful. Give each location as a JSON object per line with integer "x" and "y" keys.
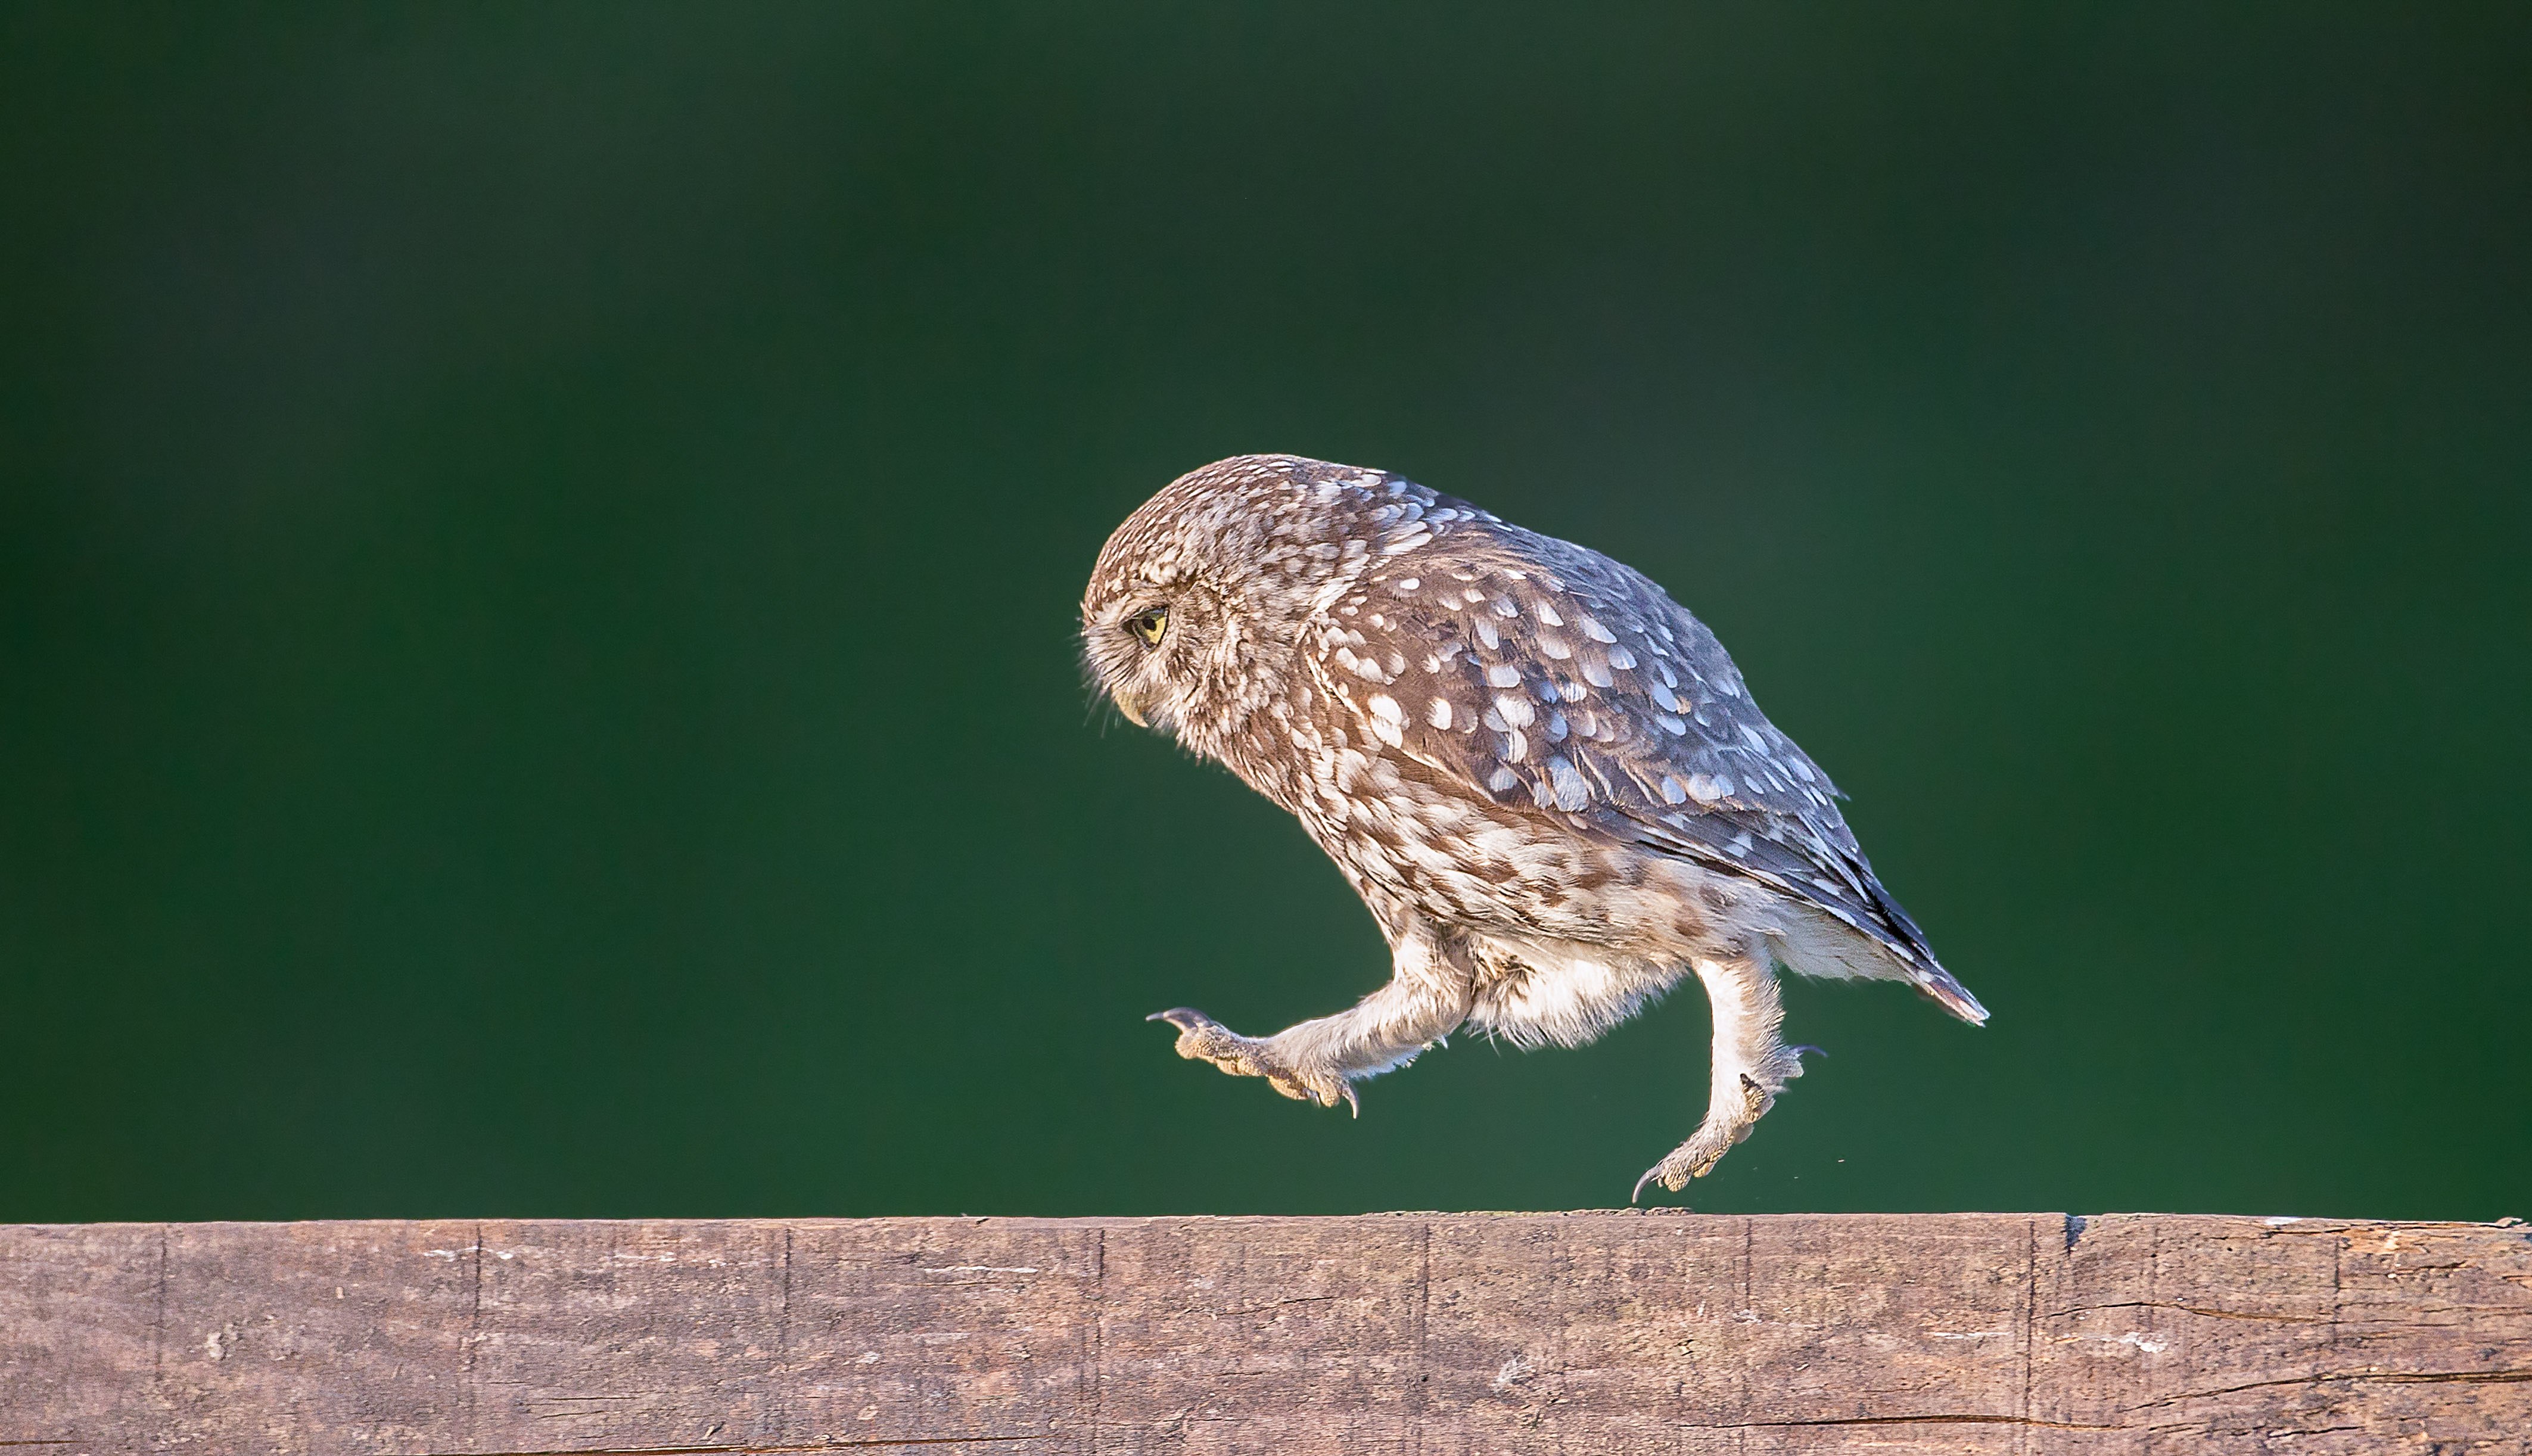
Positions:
{"x": 1149, "y": 623}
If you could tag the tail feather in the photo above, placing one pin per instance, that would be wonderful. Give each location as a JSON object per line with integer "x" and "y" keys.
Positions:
{"x": 1923, "y": 970}
{"x": 1814, "y": 941}
{"x": 1949, "y": 994}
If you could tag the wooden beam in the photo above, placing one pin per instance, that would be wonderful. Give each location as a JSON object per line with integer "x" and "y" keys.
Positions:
{"x": 1388, "y": 1333}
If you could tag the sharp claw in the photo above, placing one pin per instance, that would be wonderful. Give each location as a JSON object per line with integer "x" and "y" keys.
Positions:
{"x": 1653, "y": 1173}
{"x": 1184, "y": 1018}
{"x": 1351, "y": 1100}
{"x": 1806, "y": 1050}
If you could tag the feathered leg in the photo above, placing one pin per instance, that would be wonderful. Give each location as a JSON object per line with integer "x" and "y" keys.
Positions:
{"x": 1428, "y": 995}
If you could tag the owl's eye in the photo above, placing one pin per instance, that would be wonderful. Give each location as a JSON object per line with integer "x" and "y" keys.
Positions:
{"x": 1149, "y": 623}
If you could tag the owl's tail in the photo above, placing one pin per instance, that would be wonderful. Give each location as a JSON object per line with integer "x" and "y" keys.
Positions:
{"x": 1907, "y": 946}
{"x": 1810, "y": 942}
{"x": 1947, "y": 993}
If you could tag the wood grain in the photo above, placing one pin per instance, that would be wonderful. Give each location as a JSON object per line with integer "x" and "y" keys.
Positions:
{"x": 1427, "y": 1333}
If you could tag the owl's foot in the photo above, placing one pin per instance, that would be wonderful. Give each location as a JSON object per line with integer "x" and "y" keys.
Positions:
{"x": 1726, "y": 1123}
{"x": 1201, "y": 1038}
{"x": 1694, "y": 1158}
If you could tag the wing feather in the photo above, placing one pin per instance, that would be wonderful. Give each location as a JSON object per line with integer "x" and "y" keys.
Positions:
{"x": 1550, "y": 678}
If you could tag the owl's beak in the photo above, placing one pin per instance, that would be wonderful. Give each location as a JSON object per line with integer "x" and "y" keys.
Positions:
{"x": 1133, "y": 709}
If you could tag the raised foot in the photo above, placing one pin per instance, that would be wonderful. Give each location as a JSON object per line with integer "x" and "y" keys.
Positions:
{"x": 1201, "y": 1038}
{"x": 1725, "y": 1125}
{"x": 1694, "y": 1158}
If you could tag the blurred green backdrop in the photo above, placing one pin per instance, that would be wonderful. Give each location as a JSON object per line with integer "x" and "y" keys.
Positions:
{"x": 539, "y": 552}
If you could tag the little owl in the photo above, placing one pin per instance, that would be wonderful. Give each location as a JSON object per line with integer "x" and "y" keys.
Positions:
{"x": 1543, "y": 777}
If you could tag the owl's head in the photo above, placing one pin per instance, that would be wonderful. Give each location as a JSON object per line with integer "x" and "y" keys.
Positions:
{"x": 1196, "y": 608}
{"x": 1154, "y": 637}
{"x": 1164, "y": 630}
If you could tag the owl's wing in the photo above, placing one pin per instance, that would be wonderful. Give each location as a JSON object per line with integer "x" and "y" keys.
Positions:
{"x": 1550, "y": 678}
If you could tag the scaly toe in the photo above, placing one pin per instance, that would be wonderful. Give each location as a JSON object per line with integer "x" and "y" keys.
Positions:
{"x": 1691, "y": 1159}
{"x": 1325, "y": 1091}
{"x": 1201, "y": 1038}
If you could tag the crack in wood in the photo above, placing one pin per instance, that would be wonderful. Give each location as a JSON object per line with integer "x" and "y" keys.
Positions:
{"x": 2330, "y": 1377}
{"x": 2209, "y": 1312}
{"x": 1933, "y": 1420}
{"x": 2030, "y": 1318}
{"x": 1417, "y": 1392}
{"x": 1237, "y": 1311}
{"x": 1098, "y": 1336}
{"x": 158, "y": 1321}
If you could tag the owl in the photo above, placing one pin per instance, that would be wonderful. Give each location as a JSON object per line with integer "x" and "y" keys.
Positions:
{"x": 1544, "y": 777}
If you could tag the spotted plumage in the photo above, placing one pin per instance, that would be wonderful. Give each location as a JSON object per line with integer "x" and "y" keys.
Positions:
{"x": 1544, "y": 777}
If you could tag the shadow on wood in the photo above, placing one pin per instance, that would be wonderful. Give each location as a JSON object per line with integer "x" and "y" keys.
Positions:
{"x": 1393, "y": 1332}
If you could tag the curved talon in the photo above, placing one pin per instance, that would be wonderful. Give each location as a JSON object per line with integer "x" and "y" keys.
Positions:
{"x": 1696, "y": 1157}
{"x": 1663, "y": 1174}
{"x": 1201, "y": 1038}
{"x": 1293, "y": 1085}
{"x": 1669, "y": 1176}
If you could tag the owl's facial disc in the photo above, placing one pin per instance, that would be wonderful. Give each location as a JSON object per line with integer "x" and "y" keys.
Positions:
{"x": 1135, "y": 648}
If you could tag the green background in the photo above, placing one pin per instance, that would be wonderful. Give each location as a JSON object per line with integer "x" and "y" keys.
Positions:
{"x": 539, "y": 552}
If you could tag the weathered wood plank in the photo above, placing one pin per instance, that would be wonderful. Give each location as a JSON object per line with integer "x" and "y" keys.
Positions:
{"x": 1606, "y": 1332}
